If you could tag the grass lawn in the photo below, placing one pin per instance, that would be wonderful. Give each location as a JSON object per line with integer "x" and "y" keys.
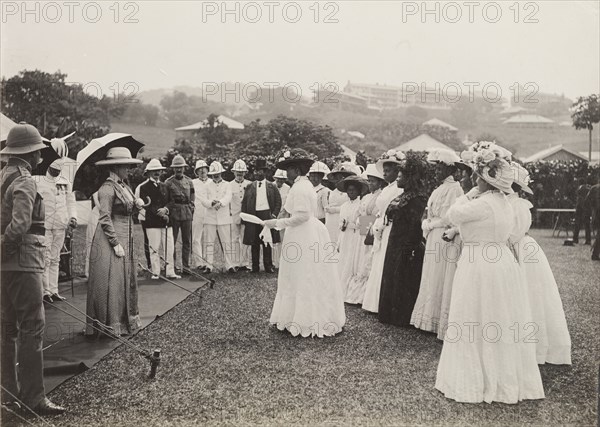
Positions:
{"x": 222, "y": 364}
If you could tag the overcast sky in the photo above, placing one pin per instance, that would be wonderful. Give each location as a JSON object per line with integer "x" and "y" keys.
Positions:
{"x": 185, "y": 43}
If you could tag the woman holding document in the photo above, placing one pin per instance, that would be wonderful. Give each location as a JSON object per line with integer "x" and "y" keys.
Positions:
{"x": 309, "y": 300}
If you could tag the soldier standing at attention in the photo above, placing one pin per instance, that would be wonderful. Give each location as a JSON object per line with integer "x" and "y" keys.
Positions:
{"x": 22, "y": 228}
{"x": 180, "y": 197}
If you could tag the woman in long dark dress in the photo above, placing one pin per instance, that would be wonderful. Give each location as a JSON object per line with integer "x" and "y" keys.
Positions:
{"x": 404, "y": 256}
{"x": 112, "y": 286}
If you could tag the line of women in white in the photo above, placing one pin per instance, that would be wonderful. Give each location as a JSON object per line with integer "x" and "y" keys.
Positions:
{"x": 486, "y": 288}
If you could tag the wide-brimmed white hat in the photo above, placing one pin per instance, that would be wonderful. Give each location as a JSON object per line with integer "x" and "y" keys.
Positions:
{"x": 391, "y": 156}
{"x": 521, "y": 177}
{"x": 346, "y": 169}
{"x": 373, "y": 171}
{"x": 239, "y": 166}
{"x": 215, "y": 168}
{"x": 280, "y": 173}
{"x": 502, "y": 178}
{"x": 154, "y": 165}
{"x": 440, "y": 155}
{"x": 200, "y": 164}
{"x": 118, "y": 156}
{"x": 353, "y": 179}
{"x": 319, "y": 167}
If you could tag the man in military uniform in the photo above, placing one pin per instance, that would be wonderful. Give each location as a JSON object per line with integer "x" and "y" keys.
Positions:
{"x": 22, "y": 228}
{"x": 180, "y": 195}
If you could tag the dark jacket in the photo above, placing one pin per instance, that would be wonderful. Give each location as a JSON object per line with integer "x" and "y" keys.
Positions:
{"x": 23, "y": 216}
{"x": 158, "y": 200}
{"x": 251, "y": 231}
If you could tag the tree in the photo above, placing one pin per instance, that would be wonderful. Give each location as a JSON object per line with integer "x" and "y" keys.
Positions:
{"x": 55, "y": 108}
{"x": 585, "y": 113}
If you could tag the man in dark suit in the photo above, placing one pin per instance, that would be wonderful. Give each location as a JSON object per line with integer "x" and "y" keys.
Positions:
{"x": 261, "y": 198}
{"x": 158, "y": 226}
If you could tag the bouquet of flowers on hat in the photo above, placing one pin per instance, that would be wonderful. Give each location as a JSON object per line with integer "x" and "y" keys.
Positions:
{"x": 483, "y": 153}
{"x": 393, "y": 155}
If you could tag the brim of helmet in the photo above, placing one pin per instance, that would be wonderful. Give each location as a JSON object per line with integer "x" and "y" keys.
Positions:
{"x": 118, "y": 162}
{"x": 23, "y": 150}
{"x": 215, "y": 173}
{"x": 162, "y": 168}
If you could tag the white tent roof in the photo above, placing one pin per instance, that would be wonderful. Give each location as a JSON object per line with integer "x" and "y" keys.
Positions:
{"x": 6, "y": 125}
{"x": 349, "y": 152}
{"x": 230, "y": 123}
{"x": 438, "y": 122}
{"x": 541, "y": 155}
{"x": 422, "y": 142}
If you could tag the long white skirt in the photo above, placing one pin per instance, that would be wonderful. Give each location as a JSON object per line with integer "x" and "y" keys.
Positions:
{"x": 309, "y": 300}
{"x": 428, "y": 307}
{"x": 371, "y": 300}
{"x": 358, "y": 284}
{"x": 349, "y": 257}
{"x": 554, "y": 341}
{"x": 489, "y": 352}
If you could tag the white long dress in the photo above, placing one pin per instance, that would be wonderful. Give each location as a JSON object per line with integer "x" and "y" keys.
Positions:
{"x": 332, "y": 218}
{"x": 552, "y": 335}
{"x": 309, "y": 300}
{"x": 488, "y": 354}
{"x": 440, "y": 257}
{"x": 349, "y": 243}
{"x": 382, "y": 235}
{"x": 358, "y": 284}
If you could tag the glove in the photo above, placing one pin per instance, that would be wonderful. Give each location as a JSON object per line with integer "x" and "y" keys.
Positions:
{"x": 426, "y": 225}
{"x": 162, "y": 212}
{"x": 271, "y": 223}
{"x": 139, "y": 203}
{"x": 73, "y": 223}
{"x": 266, "y": 237}
{"x": 119, "y": 251}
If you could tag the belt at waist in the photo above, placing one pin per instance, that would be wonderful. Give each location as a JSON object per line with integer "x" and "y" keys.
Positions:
{"x": 36, "y": 231}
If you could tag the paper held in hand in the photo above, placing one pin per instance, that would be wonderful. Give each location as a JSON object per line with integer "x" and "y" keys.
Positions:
{"x": 251, "y": 218}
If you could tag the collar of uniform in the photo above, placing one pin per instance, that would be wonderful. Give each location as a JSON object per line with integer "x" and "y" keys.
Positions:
{"x": 17, "y": 161}
{"x": 449, "y": 179}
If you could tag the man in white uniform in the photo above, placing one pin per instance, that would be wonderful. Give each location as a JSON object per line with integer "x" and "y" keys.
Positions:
{"x": 61, "y": 213}
{"x": 241, "y": 258}
{"x": 216, "y": 198}
{"x": 198, "y": 236}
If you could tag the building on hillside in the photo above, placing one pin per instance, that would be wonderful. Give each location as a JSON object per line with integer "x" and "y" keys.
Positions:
{"x": 355, "y": 134}
{"x": 340, "y": 100}
{"x": 386, "y": 97}
{"x": 558, "y": 152}
{"x": 514, "y": 111}
{"x": 440, "y": 123}
{"x": 189, "y": 130}
{"x": 529, "y": 121}
{"x": 422, "y": 142}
